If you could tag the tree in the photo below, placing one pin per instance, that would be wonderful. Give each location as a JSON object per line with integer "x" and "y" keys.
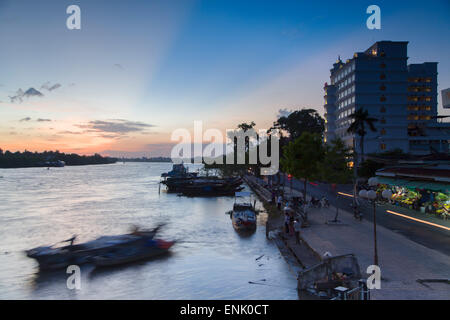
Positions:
{"x": 302, "y": 158}
{"x": 334, "y": 168}
{"x": 361, "y": 118}
{"x": 299, "y": 121}
{"x": 369, "y": 167}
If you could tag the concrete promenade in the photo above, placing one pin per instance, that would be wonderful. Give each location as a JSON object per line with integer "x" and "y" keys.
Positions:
{"x": 402, "y": 261}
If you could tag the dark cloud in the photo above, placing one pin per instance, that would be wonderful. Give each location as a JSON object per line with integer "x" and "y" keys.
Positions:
{"x": 25, "y": 119}
{"x": 50, "y": 87}
{"x": 284, "y": 113}
{"x": 117, "y": 126}
{"x": 119, "y": 66}
{"x": 32, "y": 92}
{"x": 43, "y": 120}
{"x": 20, "y": 95}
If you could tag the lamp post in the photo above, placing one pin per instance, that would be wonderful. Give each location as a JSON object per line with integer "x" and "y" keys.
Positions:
{"x": 372, "y": 195}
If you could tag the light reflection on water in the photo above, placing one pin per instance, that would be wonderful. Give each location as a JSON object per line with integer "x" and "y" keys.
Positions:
{"x": 211, "y": 261}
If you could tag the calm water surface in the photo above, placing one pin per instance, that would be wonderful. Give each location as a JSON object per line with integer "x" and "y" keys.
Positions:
{"x": 211, "y": 261}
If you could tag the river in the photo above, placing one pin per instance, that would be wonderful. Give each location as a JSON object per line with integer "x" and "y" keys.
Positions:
{"x": 210, "y": 261}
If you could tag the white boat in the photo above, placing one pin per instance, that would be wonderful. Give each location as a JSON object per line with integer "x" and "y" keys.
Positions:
{"x": 243, "y": 215}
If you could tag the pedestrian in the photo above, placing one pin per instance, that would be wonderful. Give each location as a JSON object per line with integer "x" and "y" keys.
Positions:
{"x": 291, "y": 225}
{"x": 279, "y": 202}
{"x": 286, "y": 221}
{"x": 273, "y": 196}
{"x": 297, "y": 226}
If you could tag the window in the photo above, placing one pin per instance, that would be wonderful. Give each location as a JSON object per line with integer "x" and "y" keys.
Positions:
{"x": 383, "y": 120}
{"x": 382, "y": 98}
{"x": 383, "y": 110}
{"x": 383, "y": 146}
{"x": 383, "y": 131}
{"x": 382, "y": 76}
{"x": 382, "y": 87}
{"x": 383, "y": 65}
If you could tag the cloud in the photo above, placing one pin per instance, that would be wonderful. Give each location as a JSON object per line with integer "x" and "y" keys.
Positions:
{"x": 117, "y": 126}
{"x": 49, "y": 87}
{"x": 119, "y": 66}
{"x": 25, "y": 119}
{"x": 43, "y": 120}
{"x": 20, "y": 95}
{"x": 70, "y": 132}
{"x": 284, "y": 113}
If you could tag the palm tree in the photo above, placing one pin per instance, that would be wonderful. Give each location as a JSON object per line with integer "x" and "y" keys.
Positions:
{"x": 361, "y": 118}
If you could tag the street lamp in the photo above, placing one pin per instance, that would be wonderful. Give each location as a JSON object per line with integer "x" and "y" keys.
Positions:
{"x": 372, "y": 195}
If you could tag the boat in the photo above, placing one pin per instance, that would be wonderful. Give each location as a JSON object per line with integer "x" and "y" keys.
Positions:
{"x": 179, "y": 171}
{"x": 190, "y": 184}
{"x": 243, "y": 215}
{"x": 211, "y": 187}
{"x": 145, "y": 249}
{"x": 52, "y": 257}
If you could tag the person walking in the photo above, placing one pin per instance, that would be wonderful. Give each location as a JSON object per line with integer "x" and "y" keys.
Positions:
{"x": 297, "y": 227}
{"x": 291, "y": 225}
{"x": 286, "y": 221}
{"x": 279, "y": 202}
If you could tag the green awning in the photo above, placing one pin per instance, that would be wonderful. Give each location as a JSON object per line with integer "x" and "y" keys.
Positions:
{"x": 444, "y": 188}
{"x": 410, "y": 184}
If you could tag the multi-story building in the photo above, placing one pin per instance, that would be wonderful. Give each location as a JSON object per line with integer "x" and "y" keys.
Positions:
{"x": 402, "y": 97}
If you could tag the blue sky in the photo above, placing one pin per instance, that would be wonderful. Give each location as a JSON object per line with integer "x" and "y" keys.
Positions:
{"x": 165, "y": 64}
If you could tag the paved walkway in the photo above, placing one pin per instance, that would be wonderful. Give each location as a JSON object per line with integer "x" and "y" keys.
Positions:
{"x": 402, "y": 261}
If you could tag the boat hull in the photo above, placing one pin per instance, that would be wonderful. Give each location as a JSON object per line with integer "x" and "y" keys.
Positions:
{"x": 50, "y": 258}
{"x": 128, "y": 255}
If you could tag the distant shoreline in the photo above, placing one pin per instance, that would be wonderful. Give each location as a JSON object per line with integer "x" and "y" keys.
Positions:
{"x": 27, "y": 159}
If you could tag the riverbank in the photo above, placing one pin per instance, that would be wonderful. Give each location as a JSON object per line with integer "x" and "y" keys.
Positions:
{"x": 299, "y": 256}
{"x": 408, "y": 269}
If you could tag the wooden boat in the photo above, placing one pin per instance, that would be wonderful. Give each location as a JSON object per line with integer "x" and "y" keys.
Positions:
{"x": 144, "y": 250}
{"x": 243, "y": 215}
{"x": 190, "y": 184}
{"x": 51, "y": 257}
{"x": 211, "y": 189}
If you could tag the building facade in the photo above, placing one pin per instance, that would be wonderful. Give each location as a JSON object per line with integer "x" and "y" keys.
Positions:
{"x": 402, "y": 97}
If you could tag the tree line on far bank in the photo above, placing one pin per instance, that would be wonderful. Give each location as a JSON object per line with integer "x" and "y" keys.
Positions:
{"x": 44, "y": 159}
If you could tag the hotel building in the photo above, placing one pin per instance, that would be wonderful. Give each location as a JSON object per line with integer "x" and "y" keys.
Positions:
{"x": 402, "y": 97}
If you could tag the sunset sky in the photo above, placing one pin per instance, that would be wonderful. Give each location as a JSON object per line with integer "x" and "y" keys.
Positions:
{"x": 137, "y": 70}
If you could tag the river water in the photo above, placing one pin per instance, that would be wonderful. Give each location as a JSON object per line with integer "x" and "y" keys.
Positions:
{"x": 210, "y": 261}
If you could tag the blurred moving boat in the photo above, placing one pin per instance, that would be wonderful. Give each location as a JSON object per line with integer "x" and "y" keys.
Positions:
{"x": 147, "y": 249}
{"x": 51, "y": 257}
{"x": 243, "y": 215}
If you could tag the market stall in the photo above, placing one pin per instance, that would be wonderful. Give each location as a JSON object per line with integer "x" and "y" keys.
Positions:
{"x": 424, "y": 196}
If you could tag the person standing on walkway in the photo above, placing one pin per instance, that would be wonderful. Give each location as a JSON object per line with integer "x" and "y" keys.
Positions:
{"x": 297, "y": 226}
{"x": 286, "y": 221}
{"x": 291, "y": 225}
{"x": 279, "y": 201}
